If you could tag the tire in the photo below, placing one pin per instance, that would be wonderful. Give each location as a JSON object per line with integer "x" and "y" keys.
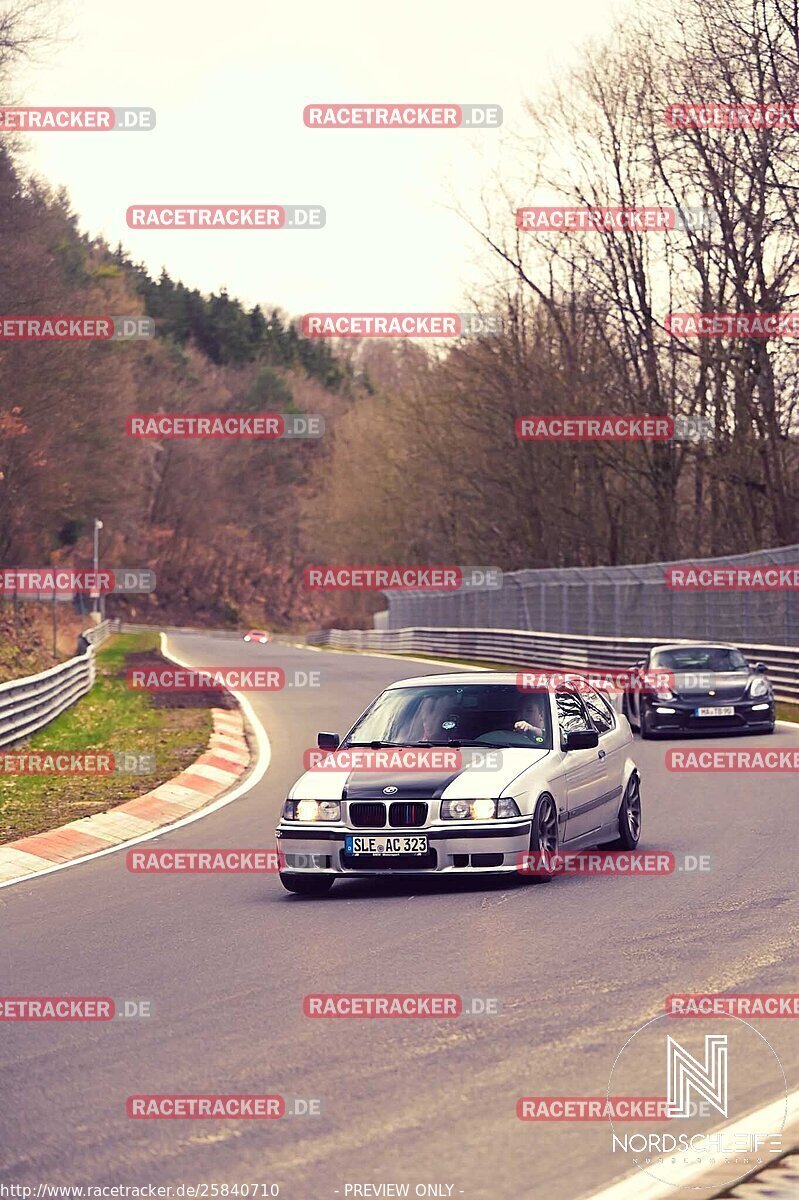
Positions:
{"x": 643, "y": 726}
{"x": 544, "y": 833}
{"x": 306, "y": 885}
{"x": 629, "y": 816}
{"x": 635, "y": 722}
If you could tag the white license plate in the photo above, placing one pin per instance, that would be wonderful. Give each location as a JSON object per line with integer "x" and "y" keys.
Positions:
{"x": 390, "y": 845}
{"x": 725, "y": 711}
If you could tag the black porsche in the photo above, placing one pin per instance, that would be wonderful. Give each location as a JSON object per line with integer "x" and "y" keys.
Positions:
{"x": 699, "y": 687}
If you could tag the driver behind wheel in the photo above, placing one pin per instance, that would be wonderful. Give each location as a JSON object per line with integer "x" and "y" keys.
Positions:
{"x": 532, "y": 716}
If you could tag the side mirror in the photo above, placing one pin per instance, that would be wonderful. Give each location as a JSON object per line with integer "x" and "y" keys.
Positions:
{"x": 581, "y": 739}
{"x": 760, "y": 668}
{"x": 327, "y": 741}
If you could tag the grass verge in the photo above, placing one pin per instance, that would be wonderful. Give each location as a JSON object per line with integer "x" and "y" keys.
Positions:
{"x": 111, "y": 718}
{"x": 787, "y": 712}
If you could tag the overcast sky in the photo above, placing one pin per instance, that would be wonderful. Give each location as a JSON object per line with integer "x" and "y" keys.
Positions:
{"x": 229, "y": 82}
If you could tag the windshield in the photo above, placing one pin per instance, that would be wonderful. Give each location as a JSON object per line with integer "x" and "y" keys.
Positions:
{"x": 467, "y": 714}
{"x": 700, "y": 658}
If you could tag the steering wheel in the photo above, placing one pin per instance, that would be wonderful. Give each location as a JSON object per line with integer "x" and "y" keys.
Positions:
{"x": 511, "y": 737}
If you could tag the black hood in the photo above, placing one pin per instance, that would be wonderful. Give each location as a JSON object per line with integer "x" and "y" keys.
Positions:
{"x": 726, "y": 686}
{"x": 409, "y": 785}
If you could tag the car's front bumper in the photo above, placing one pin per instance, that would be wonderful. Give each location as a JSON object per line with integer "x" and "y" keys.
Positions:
{"x": 487, "y": 848}
{"x": 679, "y": 716}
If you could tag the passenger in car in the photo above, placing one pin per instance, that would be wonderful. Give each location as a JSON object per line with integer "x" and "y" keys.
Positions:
{"x": 427, "y": 724}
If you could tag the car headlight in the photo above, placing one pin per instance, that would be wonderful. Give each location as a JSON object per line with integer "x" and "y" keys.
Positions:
{"x": 665, "y": 694}
{"x": 759, "y": 686}
{"x": 479, "y": 810}
{"x": 312, "y": 810}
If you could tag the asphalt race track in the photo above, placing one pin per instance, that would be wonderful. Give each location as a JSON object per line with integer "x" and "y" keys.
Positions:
{"x": 576, "y": 965}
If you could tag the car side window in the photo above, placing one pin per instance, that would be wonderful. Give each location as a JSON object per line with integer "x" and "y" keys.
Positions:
{"x": 599, "y": 710}
{"x": 571, "y": 713}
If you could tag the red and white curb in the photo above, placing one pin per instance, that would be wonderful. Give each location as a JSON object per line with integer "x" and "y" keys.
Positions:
{"x": 210, "y": 783}
{"x": 226, "y": 758}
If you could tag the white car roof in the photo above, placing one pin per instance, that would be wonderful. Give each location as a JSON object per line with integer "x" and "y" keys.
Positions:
{"x": 483, "y": 677}
{"x": 694, "y": 645}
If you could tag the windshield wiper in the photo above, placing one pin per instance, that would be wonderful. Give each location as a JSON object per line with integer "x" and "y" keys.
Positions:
{"x": 375, "y": 745}
{"x": 456, "y": 742}
{"x": 452, "y": 744}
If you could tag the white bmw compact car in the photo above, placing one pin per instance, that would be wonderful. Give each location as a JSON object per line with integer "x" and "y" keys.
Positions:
{"x": 462, "y": 774}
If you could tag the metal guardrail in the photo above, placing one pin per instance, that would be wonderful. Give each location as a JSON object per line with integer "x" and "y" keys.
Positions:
{"x": 95, "y": 635}
{"x": 235, "y": 635}
{"x": 537, "y": 650}
{"x": 29, "y": 704}
{"x": 613, "y": 602}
